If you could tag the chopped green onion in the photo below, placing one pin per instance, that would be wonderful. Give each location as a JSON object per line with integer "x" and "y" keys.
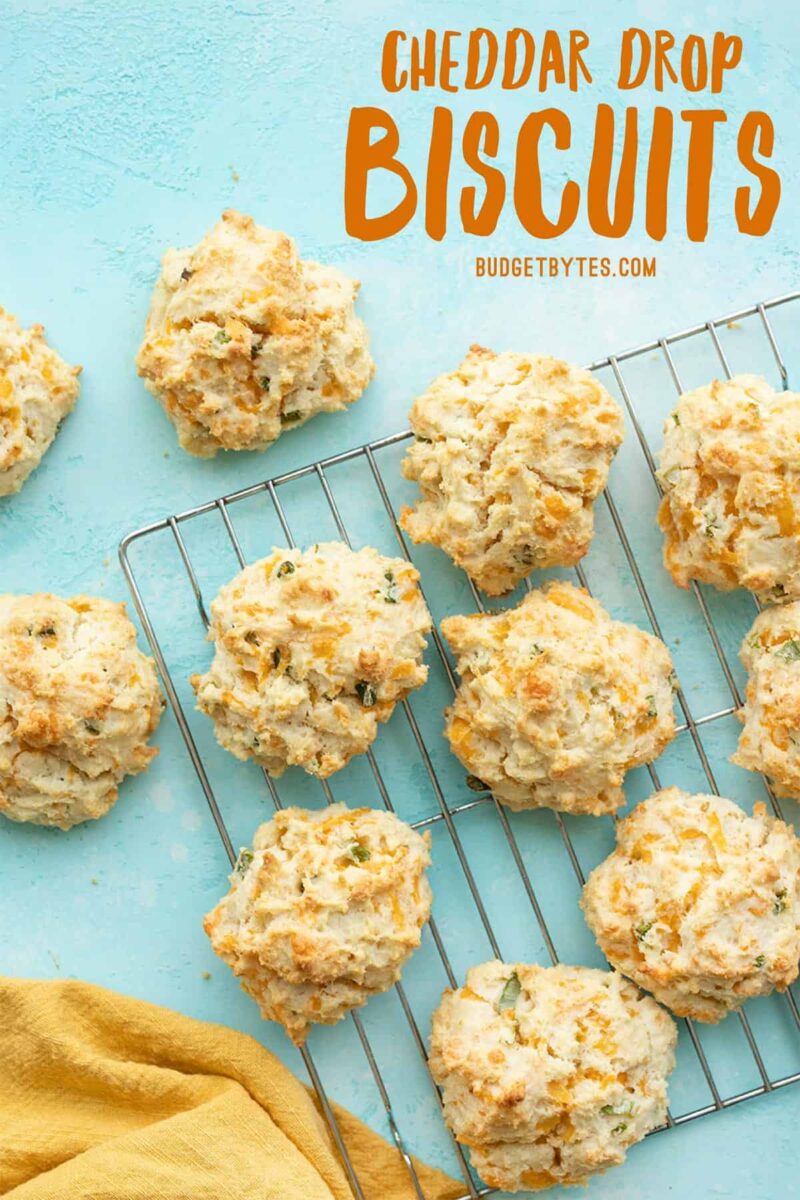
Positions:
{"x": 276, "y": 656}
{"x": 366, "y": 693}
{"x": 619, "y": 1110}
{"x": 536, "y": 650}
{"x": 623, "y": 1125}
{"x": 243, "y": 861}
{"x": 288, "y": 417}
{"x": 286, "y": 568}
{"x": 676, "y": 418}
{"x": 360, "y": 853}
{"x": 652, "y": 711}
{"x": 759, "y": 962}
{"x": 221, "y": 336}
{"x": 642, "y": 930}
{"x": 510, "y": 993}
{"x": 476, "y": 785}
{"x": 788, "y": 651}
{"x": 780, "y": 902}
{"x": 265, "y": 382}
{"x": 391, "y": 591}
{"x": 252, "y": 637}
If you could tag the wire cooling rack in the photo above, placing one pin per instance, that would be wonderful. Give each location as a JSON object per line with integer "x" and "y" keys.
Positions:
{"x": 508, "y": 882}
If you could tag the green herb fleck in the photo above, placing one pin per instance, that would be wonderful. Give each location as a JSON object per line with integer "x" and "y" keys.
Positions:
{"x": 391, "y": 591}
{"x": 711, "y": 525}
{"x": 476, "y": 785}
{"x": 754, "y": 642}
{"x": 642, "y": 930}
{"x": 778, "y": 591}
{"x": 254, "y": 349}
{"x": 788, "y": 651}
{"x": 366, "y": 693}
{"x": 222, "y": 337}
{"x": 759, "y": 962}
{"x": 780, "y": 901}
{"x": 243, "y": 861}
{"x": 676, "y": 418}
{"x": 252, "y": 637}
{"x": 652, "y": 711}
{"x": 46, "y": 631}
{"x": 420, "y": 438}
{"x": 619, "y": 1110}
{"x": 527, "y": 555}
{"x": 536, "y": 650}
{"x": 674, "y": 682}
{"x": 287, "y": 418}
{"x": 276, "y": 656}
{"x": 91, "y": 727}
{"x": 265, "y": 382}
{"x": 360, "y": 853}
{"x": 286, "y": 568}
{"x": 510, "y": 993}
{"x": 623, "y": 1125}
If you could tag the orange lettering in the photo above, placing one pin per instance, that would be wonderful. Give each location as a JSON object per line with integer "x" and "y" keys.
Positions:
{"x": 472, "y": 79}
{"x": 392, "y": 79}
{"x": 528, "y": 52}
{"x": 528, "y": 176}
{"x": 757, "y": 132}
{"x": 658, "y": 168}
{"x": 698, "y": 174}
{"x": 363, "y": 156}
{"x": 482, "y": 136}
{"x": 627, "y": 79}
{"x": 438, "y": 174}
{"x": 599, "y": 191}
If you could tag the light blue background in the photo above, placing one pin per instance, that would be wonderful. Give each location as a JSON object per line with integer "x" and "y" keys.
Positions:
{"x": 126, "y": 129}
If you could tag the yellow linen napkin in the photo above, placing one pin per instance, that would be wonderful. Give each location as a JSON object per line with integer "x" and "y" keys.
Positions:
{"x": 103, "y": 1097}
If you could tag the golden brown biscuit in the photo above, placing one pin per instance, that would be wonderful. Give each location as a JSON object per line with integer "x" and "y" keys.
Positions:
{"x": 557, "y": 701}
{"x": 511, "y": 451}
{"x": 78, "y": 702}
{"x": 245, "y": 339}
{"x": 37, "y": 390}
{"x": 549, "y": 1074}
{"x": 699, "y": 903}
{"x": 313, "y": 650}
{"x": 323, "y": 912}
{"x": 731, "y": 477}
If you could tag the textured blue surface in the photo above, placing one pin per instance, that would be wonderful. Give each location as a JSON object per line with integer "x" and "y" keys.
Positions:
{"x": 126, "y": 129}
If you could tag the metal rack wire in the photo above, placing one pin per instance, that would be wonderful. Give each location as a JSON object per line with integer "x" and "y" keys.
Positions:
{"x": 447, "y": 816}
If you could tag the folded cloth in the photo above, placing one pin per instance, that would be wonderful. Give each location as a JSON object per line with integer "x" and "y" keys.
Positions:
{"x": 107, "y": 1098}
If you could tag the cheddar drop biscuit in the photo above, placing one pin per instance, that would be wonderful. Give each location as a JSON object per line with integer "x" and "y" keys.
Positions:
{"x": 313, "y": 650}
{"x": 37, "y": 390}
{"x": 549, "y": 1074}
{"x": 511, "y": 451}
{"x": 730, "y": 472}
{"x": 557, "y": 701}
{"x": 245, "y": 339}
{"x": 770, "y": 740}
{"x": 78, "y": 702}
{"x": 323, "y": 912}
{"x": 699, "y": 903}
